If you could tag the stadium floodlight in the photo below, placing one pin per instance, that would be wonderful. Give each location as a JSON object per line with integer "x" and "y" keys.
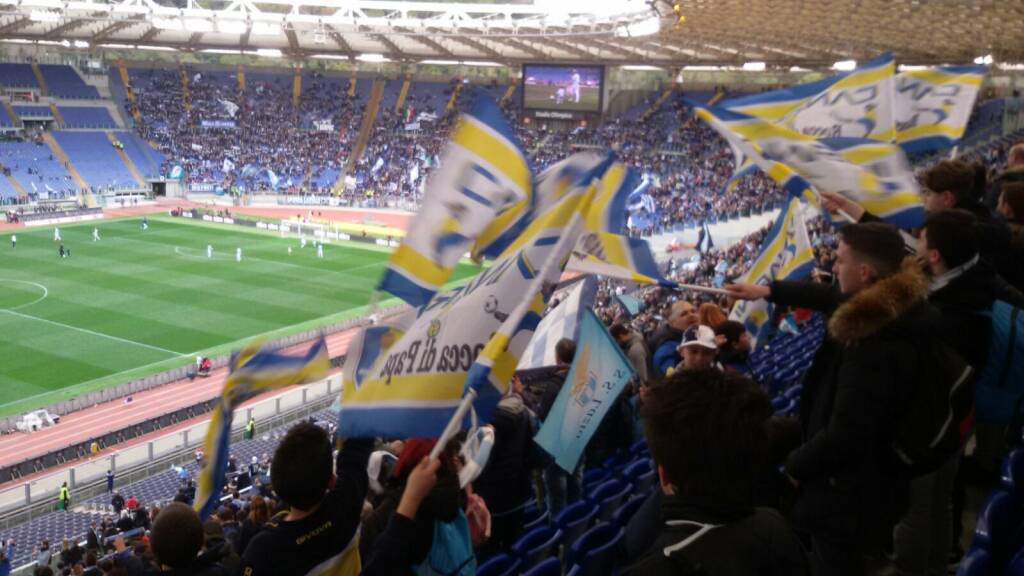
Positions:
{"x": 373, "y": 58}
{"x": 80, "y": 44}
{"x": 484, "y": 63}
{"x": 41, "y": 4}
{"x": 330, "y": 57}
{"x": 799, "y": 69}
{"x": 642, "y": 68}
{"x": 269, "y": 53}
{"x": 754, "y": 66}
{"x": 910, "y": 67}
{"x": 845, "y": 65}
{"x": 220, "y": 51}
{"x": 984, "y": 60}
{"x": 646, "y": 27}
{"x": 44, "y": 16}
{"x": 440, "y": 62}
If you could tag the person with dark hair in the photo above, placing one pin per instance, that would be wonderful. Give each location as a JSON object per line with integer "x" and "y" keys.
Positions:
{"x": 709, "y": 433}
{"x": 857, "y": 386}
{"x": 176, "y": 540}
{"x": 963, "y": 288}
{"x": 1014, "y": 173}
{"x": 218, "y": 549}
{"x": 633, "y": 345}
{"x": 1011, "y": 207}
{"x": 320, "y": 529}
{"x": 505, "y": 483}
{"x": 559, "y": 486}
{"x": 734, "y": 346}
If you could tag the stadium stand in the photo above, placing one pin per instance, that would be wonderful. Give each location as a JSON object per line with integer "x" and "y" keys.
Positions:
{"x": 91, "y": 153}
{"x": 64, "y": 82}
{"x": 35, "y": 168}
{"x": 17, "y": 75}
{"x": 87, "y": 117}
{"x": 30, "y": 112}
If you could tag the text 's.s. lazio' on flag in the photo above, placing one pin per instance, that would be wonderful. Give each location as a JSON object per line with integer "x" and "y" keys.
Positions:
{"x": 933, "y": 105}
{"x": 408, "y": 379}
{"x": 599, "y": 373}
{"x": 473, "y": 201}
{"x": 252, "y": 371}
{"x": 786, "y": 254}
{"x": 874, "y": 174}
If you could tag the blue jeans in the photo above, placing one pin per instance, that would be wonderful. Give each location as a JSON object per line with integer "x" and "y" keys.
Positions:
{"x": 561, "y": 487}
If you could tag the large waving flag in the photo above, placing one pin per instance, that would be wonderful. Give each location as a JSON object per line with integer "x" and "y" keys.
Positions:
{"x": 617, "y": 256}
{"x": 933, "y": 105}
{"x": 599, "y": 373}
{"x": 874, "y": 174}
{"x": 562, "y": 321}
{"x": 855, "y": 104}
{"x": 786, "y": 254}
{"x": 253, "y": 370}
{"x": 475, "y": 200}
{"x": 408, "y": 379}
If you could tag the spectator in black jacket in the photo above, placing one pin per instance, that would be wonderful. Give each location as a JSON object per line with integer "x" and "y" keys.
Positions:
{"x": 709, "y": 433}
{"x": 857, "y": 387}
{"x": 1011, "y": 207}
{"x": 321, "y": 528}
{"x": 505, "y": 483}
{"x": 559, "y": 486}
{"x": 963, "y": 287}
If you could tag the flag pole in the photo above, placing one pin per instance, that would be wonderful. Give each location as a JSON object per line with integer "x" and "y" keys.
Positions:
{"x": 454, "y": 424}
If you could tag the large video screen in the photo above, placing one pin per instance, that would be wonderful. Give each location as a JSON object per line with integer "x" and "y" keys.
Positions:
{"x": 568, "y": 88}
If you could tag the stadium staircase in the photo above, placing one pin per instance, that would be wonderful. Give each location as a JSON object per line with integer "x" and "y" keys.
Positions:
{"x": 44, "y": 89}
{"x": 508, "y": 92}
{"x": 124, "y": 158}
{"x": 369, "y": 117}
{"x": 186, "y": 95}
{"x": 454, "y": 99}
{"x": 296, "y": 87}
{"x": 16, "y": 185}
{"x": 15, "y": 119}
{"x": 719, "y": 94}
{"x": 403, "y": 93}
{"x": 241, "y": 78}
{"x": 60, "y": 155}
{"x": 57, "y": 115}
{"x": 122, "y": 70}
{"x": 657, "y": 103}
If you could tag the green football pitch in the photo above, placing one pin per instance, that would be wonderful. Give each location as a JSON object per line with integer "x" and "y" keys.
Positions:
{"x": 139, "y": 302}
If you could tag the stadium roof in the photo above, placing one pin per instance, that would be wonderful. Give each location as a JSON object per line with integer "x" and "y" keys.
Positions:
{"x": 677, "y": 33}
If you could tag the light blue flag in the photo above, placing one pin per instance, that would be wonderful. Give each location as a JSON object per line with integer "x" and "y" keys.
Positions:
{"x": 598, "y": 375}
{"x": 631, "y": 304}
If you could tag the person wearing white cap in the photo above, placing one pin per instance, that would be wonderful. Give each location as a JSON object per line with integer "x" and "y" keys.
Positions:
{"x": 698, "y": 348}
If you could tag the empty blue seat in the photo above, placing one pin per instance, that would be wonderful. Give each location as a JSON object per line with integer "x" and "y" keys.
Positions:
{"x": 500, "y": 565}
{"x": 794, "y": 392}
{"x": 625, "y": 512}
{"x": 638, "y": 447}
{"x": 617, "y": 461}
{"x": 534, "y": 516}
{"x": 638, "y": 468}
{"x": 975, "y": 563}
{"x": 997, "y": 522}
{"x": 1012, "y": 478}
{"x": 549, "y": 567}
{"x": 536, "y": 545}
{"x": 575, "y": 518}
{"x": 597, "y": 552}
{"x": 593, "y": 477}
{"x": 609, "y": 496}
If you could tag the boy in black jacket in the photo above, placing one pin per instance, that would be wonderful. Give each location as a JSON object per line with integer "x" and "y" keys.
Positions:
{"x": 709, "y": 433}
{"x": 319, "y": 534}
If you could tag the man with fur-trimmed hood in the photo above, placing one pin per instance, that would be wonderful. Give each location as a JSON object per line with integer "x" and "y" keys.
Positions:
{"x": 858, "y": 387}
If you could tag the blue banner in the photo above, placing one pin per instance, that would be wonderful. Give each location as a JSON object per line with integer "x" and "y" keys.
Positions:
{"x": 598, "y": 375}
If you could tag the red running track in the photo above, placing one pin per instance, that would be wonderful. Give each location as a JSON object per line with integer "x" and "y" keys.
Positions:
{"x": 85, "y": 424}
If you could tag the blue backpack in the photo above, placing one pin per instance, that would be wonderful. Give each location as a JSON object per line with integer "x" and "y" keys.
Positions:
{"x": 1000, "y": 385}
{"x": 451, "y": 552}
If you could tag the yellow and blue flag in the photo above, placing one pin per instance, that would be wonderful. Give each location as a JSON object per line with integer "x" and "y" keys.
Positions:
{"x": 786, "y": 254}
{"x": 933, "y": 105}
{"x": 253, "y": 370}
{"x": 408, "y": 379}
{"x": 474, "y": 202}
{"x": 872, "y": 173}
{"x": 599, "y": 373}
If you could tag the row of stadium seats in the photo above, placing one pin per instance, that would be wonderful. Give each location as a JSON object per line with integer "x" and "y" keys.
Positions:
{"x": 62, "y": 80}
